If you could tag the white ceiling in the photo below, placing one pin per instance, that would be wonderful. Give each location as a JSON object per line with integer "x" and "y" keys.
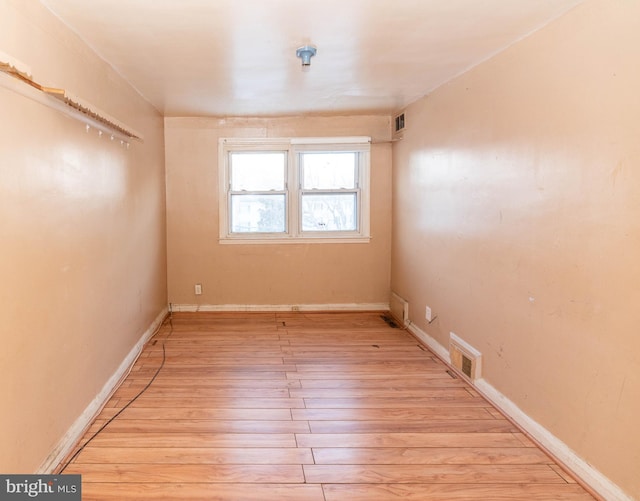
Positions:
{"x": 237, "y": 57}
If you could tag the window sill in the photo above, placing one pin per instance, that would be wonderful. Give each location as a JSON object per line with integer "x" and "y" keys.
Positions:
{"x": 299, "y": 240}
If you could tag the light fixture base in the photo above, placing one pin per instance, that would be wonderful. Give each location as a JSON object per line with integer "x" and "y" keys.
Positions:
{"x": 305, "y": 53}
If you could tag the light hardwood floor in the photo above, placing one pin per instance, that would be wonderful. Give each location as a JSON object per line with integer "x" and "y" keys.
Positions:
{"x": 305, "y": 407}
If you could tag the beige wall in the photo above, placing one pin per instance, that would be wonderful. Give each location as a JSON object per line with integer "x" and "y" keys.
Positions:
{"x": 517, "y": 220}
{"x": 82, "y": 253}
{"x": 289, "y": 274}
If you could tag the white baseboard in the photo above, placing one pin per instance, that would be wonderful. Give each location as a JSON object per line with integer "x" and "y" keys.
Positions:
{"x": 431, "y": 343}
{"x": 561, "y": 451}
{"x": 599, "y": 483}
{"x": 281, "y": 307}
{"x": 77, "y": 429}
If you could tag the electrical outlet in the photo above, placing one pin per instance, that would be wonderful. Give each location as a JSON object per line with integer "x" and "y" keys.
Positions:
{"x": 427, "y": 314}
{"x": 198, "y": 289}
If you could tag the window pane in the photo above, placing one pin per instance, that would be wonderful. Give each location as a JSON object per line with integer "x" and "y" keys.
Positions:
{"x": 257, "y": 213}
{"x": 329, "y": 171}
{"x": 257, "y": 171}
{"x": 329, "y": 212}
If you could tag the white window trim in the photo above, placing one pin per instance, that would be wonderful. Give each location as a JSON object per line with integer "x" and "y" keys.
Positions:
{"x": 293, "y": 146}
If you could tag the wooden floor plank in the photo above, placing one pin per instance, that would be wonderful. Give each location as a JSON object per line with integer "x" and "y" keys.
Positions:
{"x": 372, "y": 358}
{"x": 455, "y": 492}
{"x": 201, "y": 492}
{"x": 167, "y": 426}
{"x": 213, "y": 402}
{"x": 354, "y": 374}
{"x": 408, "y": 440}
{"x": 189, "y": 473}
{"x": 242, "y": 454}
{"x": 426, "y": 426}
{"x": 430, "y": 455}
{"x": 217, "y": 367}
{"x": 381, "y": 348}
{"x": 209, "y": 373}
{"x": 363, "y": 366}
{"x": 151, "y": 440}
{"x": 304, "y": 407}
{"x": 164, "y": 382}
{"x": 153, "y": 413}
{"x": 219, "y": 361}
{"x": 215, "y": 351}
{"x": 431, "y": 474}
{"x": 375, "y": 393}
{"x": 205, "y": 392}
{"x": 390, "y": 414}
{"x": 437, "y": 380}
{"x": 392, "y": 402}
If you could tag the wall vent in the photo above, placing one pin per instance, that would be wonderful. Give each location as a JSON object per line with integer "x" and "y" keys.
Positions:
{"x": 467, "y": 366}
{"x": 399, "y": 309}
{"x": 465, "y": 357}
{"x": 398, "y": 126}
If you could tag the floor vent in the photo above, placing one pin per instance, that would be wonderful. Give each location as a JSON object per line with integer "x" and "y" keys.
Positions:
{"x": 465, "y": 357}
{"x": 389, "y": 320}
{"x": 399, "y": 309}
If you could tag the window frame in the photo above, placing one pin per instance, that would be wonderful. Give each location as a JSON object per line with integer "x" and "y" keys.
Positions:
{"x": 284, "y": 191}
{"x": 294, "y": 148}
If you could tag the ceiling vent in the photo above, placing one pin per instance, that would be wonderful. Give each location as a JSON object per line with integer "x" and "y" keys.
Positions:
{"x": 465, "y": 357}
{"x": 398, "y": 126}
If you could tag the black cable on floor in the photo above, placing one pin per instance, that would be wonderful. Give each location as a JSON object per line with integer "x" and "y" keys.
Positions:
{"x": 164, "y": 357}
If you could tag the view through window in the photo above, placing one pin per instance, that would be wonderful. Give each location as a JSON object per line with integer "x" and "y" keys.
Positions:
{"x": 275, "y": 190}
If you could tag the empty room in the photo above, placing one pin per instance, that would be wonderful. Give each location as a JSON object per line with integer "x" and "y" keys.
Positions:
{"x": 355, "y": 250}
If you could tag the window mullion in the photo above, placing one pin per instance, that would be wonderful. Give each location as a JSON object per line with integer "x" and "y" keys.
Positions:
{"x": 293, "y": 190}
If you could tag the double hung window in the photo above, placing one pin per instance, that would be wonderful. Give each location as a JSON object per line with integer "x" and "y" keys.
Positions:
{"x": 293, "y": 190}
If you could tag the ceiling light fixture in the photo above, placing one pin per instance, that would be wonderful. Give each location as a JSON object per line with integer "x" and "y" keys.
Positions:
{"x": 305, "y": 53}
